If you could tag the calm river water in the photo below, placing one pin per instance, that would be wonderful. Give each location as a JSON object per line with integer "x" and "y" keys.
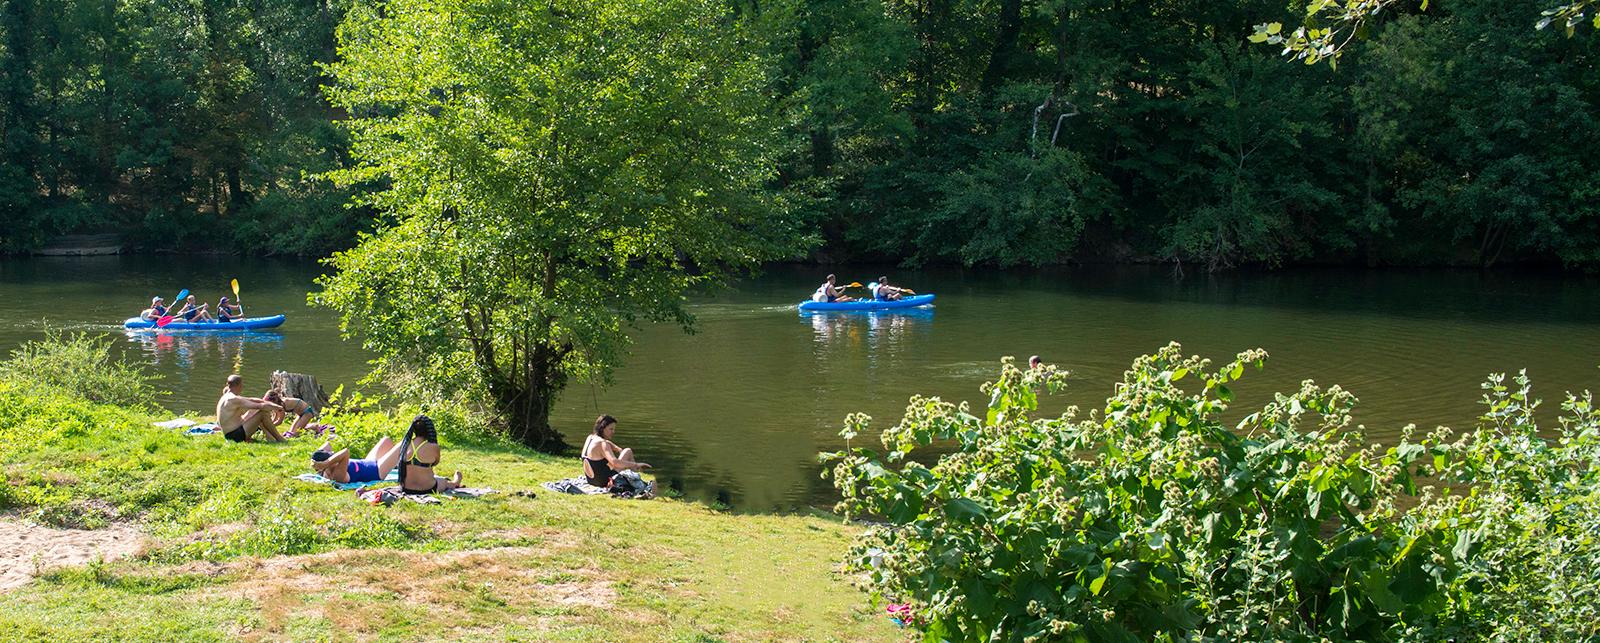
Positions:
{"x": 739, "y": 410}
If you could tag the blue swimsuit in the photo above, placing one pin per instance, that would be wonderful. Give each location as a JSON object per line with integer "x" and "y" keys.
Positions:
{"x": 362, "y": 471}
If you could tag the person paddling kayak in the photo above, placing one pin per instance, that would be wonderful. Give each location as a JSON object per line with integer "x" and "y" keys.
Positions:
{"x": 829, "y": 293}
{"x": 885, "y": 292}
{"x": 155, "y": 311}
{"x": 191, "y": 313}
{"x": 227, "y": 311}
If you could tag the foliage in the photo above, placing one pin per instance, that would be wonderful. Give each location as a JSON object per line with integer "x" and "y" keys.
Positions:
{"x": 1330, "y": 25}
{"x": 1154, "y": 520}
{"x": 82, "y": 365}
{"x": 554, "y": 172}
{"x": 179, "y": 124}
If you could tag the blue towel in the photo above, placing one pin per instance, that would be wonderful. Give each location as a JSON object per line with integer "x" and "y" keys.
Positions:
{"x": 203, "y": 429}
{"x": 394, "y": 476}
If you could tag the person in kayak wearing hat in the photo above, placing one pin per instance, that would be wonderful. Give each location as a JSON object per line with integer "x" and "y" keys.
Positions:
{"x": 155, "y": 311}
{"x": 227, "y": 311}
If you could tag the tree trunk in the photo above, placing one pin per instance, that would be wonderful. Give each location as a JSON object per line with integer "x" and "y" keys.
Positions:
{"x": 526, "y": 411}
{"x": 300, "y": 386}
{"x": 1004, "y": 43}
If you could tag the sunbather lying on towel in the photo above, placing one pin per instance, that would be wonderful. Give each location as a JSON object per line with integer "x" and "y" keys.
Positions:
{"x": 338, "y": 467}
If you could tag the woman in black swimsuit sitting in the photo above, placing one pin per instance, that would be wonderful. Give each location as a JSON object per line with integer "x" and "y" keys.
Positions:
{"x": 601, "y": 457}
{"x": 419, "y": 454}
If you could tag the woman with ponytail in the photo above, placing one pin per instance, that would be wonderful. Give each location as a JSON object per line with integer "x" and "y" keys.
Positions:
{"x": 419, "y": 454}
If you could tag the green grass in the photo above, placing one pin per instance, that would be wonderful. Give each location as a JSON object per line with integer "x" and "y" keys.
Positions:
{"x": 240, "y": 550}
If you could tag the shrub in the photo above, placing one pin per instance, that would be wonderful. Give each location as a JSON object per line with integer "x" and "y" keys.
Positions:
{"x": 80, "y": 365}
{"x": 1152, "y": 520}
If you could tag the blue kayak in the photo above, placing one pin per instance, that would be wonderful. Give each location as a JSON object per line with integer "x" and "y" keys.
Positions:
{"x": 247, "y": 323}
{"x": 866, "y": 304}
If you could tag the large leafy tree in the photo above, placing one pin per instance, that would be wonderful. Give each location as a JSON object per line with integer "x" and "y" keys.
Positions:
{"x": 550, "y": 173}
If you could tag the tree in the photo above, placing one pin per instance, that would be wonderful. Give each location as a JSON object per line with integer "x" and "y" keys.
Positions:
{"x": 1331, "y": 25}
{"x": 550, "y": 173}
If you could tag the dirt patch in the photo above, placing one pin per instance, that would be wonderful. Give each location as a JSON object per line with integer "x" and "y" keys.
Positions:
{"x": 27, "y": 549}
{"x": 448, "y": 585}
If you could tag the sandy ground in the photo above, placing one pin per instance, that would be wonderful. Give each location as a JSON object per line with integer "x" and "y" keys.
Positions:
{"x": 27, "y": 548}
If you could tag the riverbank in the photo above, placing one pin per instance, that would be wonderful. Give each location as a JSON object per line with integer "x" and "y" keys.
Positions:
{"x": 234, "y": 548}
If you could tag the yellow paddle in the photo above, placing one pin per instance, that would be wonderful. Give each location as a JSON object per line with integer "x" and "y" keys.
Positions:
{"x": 235, "y": 284}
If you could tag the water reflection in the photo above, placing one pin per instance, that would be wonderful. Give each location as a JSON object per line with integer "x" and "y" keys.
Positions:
{"x": 182, "y": 350}
{"x": 878, "y": 327}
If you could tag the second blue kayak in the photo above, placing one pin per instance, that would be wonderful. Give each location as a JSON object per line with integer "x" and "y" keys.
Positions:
{"x": 866, "y": 304}
{"x": 247, "y": 323}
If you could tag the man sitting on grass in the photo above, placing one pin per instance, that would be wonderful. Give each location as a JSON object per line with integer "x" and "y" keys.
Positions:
{"x": 241, "y": 417}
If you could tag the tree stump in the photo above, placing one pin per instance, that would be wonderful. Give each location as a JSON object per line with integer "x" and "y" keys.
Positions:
{"x": 301, "y": 386}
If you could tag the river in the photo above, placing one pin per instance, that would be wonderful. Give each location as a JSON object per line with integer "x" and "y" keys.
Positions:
{"x": 738, "y": 411}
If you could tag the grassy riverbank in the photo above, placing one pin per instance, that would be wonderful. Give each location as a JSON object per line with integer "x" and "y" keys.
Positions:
{"x": 237, "y": 549}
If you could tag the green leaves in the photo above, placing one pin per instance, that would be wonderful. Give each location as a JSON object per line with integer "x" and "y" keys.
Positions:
{"x": 1174, "y": 528}
{"x": 554, "y": 173}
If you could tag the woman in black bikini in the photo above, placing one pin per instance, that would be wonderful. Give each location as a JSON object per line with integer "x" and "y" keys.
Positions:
{"x": 419, "y": 454}
{"x": 601, "y": 457}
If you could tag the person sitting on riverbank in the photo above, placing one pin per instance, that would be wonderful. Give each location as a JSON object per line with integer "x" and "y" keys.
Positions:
{"x": 886, "y": 292}
{"x": 227, "y": 312}
{"x": 419, "y": 454}
{"x": 156, "y": 310}
{"x": 829, "y": 293}
{"x": 338, "y": 467}
{"x": 193, "y": 313}
{"x": 241, "y": 417}
{"x": 302, "y": 410}
{"x": 602, "y": 460}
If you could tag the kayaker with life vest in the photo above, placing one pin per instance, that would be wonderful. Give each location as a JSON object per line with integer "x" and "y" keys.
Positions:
{"x": 190, "y": 312}
{"x": 885, "y": 292}
{"x": 227, "y": 311}
{"x": 155, "y": 311}
{"x": 829, "y": 293}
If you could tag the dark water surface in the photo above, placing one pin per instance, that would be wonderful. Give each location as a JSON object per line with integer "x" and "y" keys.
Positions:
{"x": 740, "y": 409}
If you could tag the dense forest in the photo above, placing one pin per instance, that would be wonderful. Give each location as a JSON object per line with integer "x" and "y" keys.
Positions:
{"x": 997, "y": 132}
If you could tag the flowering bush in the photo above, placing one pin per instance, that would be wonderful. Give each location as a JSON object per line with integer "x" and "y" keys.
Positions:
{"x": 1151, "y": 519}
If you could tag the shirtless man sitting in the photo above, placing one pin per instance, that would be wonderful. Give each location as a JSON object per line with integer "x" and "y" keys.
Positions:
{"x": 241, "y": 417}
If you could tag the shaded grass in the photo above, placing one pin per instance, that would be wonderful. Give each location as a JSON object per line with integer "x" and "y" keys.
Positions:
{"x": 240, "y": 550}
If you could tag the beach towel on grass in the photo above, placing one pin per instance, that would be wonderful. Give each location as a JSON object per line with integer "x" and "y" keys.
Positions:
{"x": 388, "y": 495}
{"x": 469, "y": 492}
{"x": 203, "y": 429}
{"x": 626, "y": 484}
{"x": 175, "y": 423}
{"x": 394, "y": 476}
{"x": 575, "y": 486}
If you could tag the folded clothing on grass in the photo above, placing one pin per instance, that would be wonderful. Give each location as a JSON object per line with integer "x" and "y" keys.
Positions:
{"x": 175, "y": 423}
{"x": 394, "y": 476}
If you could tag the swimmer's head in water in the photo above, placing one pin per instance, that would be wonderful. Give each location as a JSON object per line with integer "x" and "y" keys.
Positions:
{"x": 321, "y": 455}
